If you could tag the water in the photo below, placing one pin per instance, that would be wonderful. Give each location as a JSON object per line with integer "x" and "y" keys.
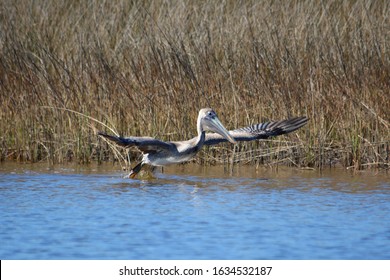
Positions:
{"x": 192, "y": 212}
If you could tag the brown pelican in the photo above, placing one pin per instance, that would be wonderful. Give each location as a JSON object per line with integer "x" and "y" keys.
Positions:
{"x": 159, "y": 153}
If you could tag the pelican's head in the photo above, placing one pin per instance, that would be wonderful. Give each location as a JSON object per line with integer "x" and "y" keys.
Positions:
{"x": 208, "y": 120}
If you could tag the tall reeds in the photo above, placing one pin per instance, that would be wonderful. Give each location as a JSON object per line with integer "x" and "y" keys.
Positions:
{"x": 147, "y": 67}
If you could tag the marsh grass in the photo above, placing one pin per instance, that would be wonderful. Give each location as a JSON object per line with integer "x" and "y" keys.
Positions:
{"x": 147, "y": 67}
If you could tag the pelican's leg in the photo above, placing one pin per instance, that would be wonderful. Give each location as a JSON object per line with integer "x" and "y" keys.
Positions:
{"x": 136, "y": 170}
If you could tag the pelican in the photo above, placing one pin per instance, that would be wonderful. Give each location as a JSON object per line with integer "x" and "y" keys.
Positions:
{"x": 160, "y": 153}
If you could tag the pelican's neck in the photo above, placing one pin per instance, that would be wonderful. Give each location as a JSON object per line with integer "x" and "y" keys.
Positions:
{"x": 200, "y": 139}
{"x": 201, "y": 133}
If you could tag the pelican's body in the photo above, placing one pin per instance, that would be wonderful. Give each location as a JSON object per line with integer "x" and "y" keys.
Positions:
{"x": 160, "y": 153}
{"x": 176, "y": 153}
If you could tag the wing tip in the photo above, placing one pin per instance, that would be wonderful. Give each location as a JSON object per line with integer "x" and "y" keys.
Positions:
{"x": 118, "y": 140}
{"x": 104, "y": 135}
{"x": 293, "y": 124}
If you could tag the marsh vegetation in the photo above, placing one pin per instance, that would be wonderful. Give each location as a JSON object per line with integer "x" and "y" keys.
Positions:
{"x": 147, "y": 67}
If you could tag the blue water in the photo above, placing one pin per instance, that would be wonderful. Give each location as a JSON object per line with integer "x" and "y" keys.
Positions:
{"x": 59, "y": 213}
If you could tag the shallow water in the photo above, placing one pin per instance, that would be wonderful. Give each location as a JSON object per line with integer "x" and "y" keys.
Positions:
{"x": 192, "y": 212}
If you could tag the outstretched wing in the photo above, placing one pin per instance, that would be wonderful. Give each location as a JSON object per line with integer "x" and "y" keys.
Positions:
{"x": 259, "y": 131}
{"x": 144, "y": 144}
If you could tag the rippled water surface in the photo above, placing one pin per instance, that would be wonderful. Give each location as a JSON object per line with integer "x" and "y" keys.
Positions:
{"x": 192, "y": 212}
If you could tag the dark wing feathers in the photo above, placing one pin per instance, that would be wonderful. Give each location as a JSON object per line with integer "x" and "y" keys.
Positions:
{"x": 259, "y": 131}
{"x": 144, "y": 144}
{"x": 249, "y": 133}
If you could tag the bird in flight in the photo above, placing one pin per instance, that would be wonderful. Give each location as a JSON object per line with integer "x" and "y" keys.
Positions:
{"x": 160, "y": 153}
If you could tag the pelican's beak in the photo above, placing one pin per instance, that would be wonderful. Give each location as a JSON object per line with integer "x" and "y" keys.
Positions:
{"x": 216, "y": 126}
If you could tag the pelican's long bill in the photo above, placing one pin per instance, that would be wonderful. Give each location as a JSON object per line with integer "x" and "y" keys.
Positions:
{"x": 215, "y": 125}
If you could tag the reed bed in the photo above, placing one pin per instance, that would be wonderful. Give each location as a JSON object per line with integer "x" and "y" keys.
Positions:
{"x": 69, "y": 68}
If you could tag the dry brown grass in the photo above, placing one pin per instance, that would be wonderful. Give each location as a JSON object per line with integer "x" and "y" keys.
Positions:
{"x": 146, "y": 68}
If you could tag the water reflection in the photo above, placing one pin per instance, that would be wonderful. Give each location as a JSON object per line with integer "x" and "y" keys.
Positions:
{"x": 192, "y": 212}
